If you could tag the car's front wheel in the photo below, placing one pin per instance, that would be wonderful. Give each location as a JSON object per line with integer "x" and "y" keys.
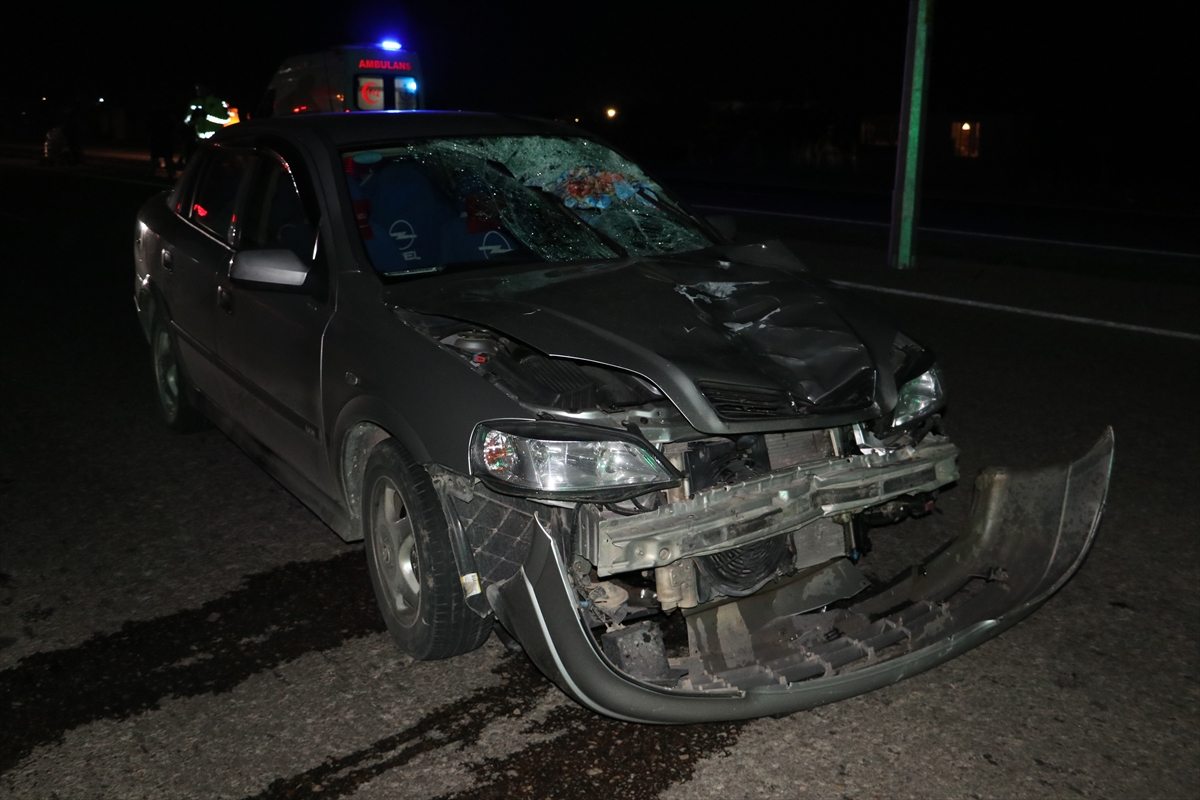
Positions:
{"x": 411, "y": 564}
{"x": 170, "y": 389}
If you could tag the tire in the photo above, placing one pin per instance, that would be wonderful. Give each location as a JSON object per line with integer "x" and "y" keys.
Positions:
{"x": 411, "y": 564}
{"x": 170, "y": 385}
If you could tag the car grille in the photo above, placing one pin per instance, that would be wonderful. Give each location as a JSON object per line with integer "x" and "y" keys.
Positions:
{"x": 741, "y": 403}
{"x": 735, "y": 403}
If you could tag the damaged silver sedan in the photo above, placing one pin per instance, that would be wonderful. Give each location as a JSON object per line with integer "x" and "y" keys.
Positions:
{"x": 556, "y": 403}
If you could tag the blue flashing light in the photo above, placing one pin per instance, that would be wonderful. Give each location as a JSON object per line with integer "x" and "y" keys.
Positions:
{"x": 408, "y": 85}
{"x": 390, "y": 44}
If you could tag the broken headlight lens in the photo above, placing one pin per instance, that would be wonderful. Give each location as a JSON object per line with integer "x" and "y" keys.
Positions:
{"x": 567, "y": 461}
{"x": 918, "y": 398}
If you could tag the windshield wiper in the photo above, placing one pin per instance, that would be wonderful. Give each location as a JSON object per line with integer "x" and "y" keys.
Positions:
{"x": 553, "y": 201}
{"x": 670, "y": 208}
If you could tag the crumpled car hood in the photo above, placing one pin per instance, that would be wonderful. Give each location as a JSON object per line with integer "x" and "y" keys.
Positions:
{"x": 738, "y": 316}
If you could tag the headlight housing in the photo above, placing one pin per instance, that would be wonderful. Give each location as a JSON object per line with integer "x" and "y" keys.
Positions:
{"x": 567, "y": 461}
{"x": 919, "y": 398}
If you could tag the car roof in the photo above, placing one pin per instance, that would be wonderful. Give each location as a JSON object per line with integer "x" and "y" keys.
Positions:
{"x": 373, "y": 126}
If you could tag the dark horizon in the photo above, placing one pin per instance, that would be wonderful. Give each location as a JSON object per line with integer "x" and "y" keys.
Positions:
{"x": 1108, "y": 86}
{"x": 1014, "y": 59}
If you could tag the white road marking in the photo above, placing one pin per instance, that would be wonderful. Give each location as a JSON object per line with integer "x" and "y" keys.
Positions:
{"x": 1064, "y": 243}
{"x": 1031, "y": 240}
{"x": 1028, "y": 312}
{"x": 789, "y": 215}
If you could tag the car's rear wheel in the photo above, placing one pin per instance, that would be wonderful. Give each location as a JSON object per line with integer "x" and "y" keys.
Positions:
{"x": 411, "y": 564}
{"x": 169, "y": 382}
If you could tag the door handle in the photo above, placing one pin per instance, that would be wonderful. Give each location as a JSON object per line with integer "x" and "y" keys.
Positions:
{"x": 166, "y": 258}
{"x": 225, "y": 299}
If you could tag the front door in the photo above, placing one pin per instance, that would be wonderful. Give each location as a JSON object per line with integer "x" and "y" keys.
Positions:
{"x": 270, "y": 337}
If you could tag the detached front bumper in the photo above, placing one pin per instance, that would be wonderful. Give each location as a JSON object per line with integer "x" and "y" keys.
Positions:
{"x": 1028, "y": 534}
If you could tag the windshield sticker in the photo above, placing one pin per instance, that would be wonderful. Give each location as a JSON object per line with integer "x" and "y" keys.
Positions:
{"x": 482, "y": 213}
{"x": 494, "y": 244}
{"x": 403, "y": 234}
{"x": 370, "y": 157}
{"x": 362, "y": 216}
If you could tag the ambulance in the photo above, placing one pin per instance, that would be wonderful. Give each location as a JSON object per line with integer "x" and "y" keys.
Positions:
{"x": 349, "y": 78}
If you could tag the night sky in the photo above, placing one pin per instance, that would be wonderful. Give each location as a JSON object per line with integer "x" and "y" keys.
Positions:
{"x": 538, "y": 56}
{"x": 1124, "y": 71}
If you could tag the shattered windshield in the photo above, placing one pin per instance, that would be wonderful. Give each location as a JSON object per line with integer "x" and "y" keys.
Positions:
{"x": 429, "y": 204}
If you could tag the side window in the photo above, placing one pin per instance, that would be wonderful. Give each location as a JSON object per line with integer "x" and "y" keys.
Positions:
{"x": 275, "y": 217}
{"x": 215, "y": 201}
{"x": 179, "y": 200}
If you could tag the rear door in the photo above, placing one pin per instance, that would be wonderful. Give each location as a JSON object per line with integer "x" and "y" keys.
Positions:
{"x": 196, "y": 253}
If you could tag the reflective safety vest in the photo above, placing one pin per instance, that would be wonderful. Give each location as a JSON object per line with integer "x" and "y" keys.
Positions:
{"x": 207, "y": 115}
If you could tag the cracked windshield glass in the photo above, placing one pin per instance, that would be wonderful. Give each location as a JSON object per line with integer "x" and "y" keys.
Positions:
{"x": 431, "y": 204}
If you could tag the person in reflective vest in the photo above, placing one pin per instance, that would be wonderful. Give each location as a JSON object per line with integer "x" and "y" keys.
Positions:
{"x": 207, "y": 113}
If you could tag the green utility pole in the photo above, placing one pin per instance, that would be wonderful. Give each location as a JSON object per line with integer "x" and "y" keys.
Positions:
{"x": 906, "y": 195}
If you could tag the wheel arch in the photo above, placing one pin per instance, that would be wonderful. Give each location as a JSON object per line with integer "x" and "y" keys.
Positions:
{"x": 151, "y": 302}
{"x": 363, "y": 423}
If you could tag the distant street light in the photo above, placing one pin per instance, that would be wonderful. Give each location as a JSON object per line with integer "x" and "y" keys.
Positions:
{"x": 612, "y": 112}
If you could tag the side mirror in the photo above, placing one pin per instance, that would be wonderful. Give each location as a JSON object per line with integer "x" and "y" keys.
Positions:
{"x": 281, "y": 268}
{"x": 725, "y": 224}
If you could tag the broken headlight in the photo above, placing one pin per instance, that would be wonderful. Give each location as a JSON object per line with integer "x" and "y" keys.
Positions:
{"x": 567, "y": 461}
{"x": 918, "y": 398}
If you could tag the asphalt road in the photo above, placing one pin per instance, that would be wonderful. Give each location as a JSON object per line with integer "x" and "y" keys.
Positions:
{"x": 174, "y": 624}
{"x": 1162, "y": 230}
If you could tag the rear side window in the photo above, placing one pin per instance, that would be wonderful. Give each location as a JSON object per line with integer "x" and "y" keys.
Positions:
{"x": 215, "y": 201}
{"x": 178, "y": 200}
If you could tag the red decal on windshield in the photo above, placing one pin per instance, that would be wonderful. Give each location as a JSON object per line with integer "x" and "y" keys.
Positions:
{"x": 482, "y": 214}
{"x": 362, "y": 215}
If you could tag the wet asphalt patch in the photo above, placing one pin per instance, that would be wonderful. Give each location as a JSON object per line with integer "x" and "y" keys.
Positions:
{"x": 279, "y": 615}
{"x": 601, "y": 756}
{"x": 305, "y": 607}
{"x": 581, "y": 752}
{"x": 459, "y": 723}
